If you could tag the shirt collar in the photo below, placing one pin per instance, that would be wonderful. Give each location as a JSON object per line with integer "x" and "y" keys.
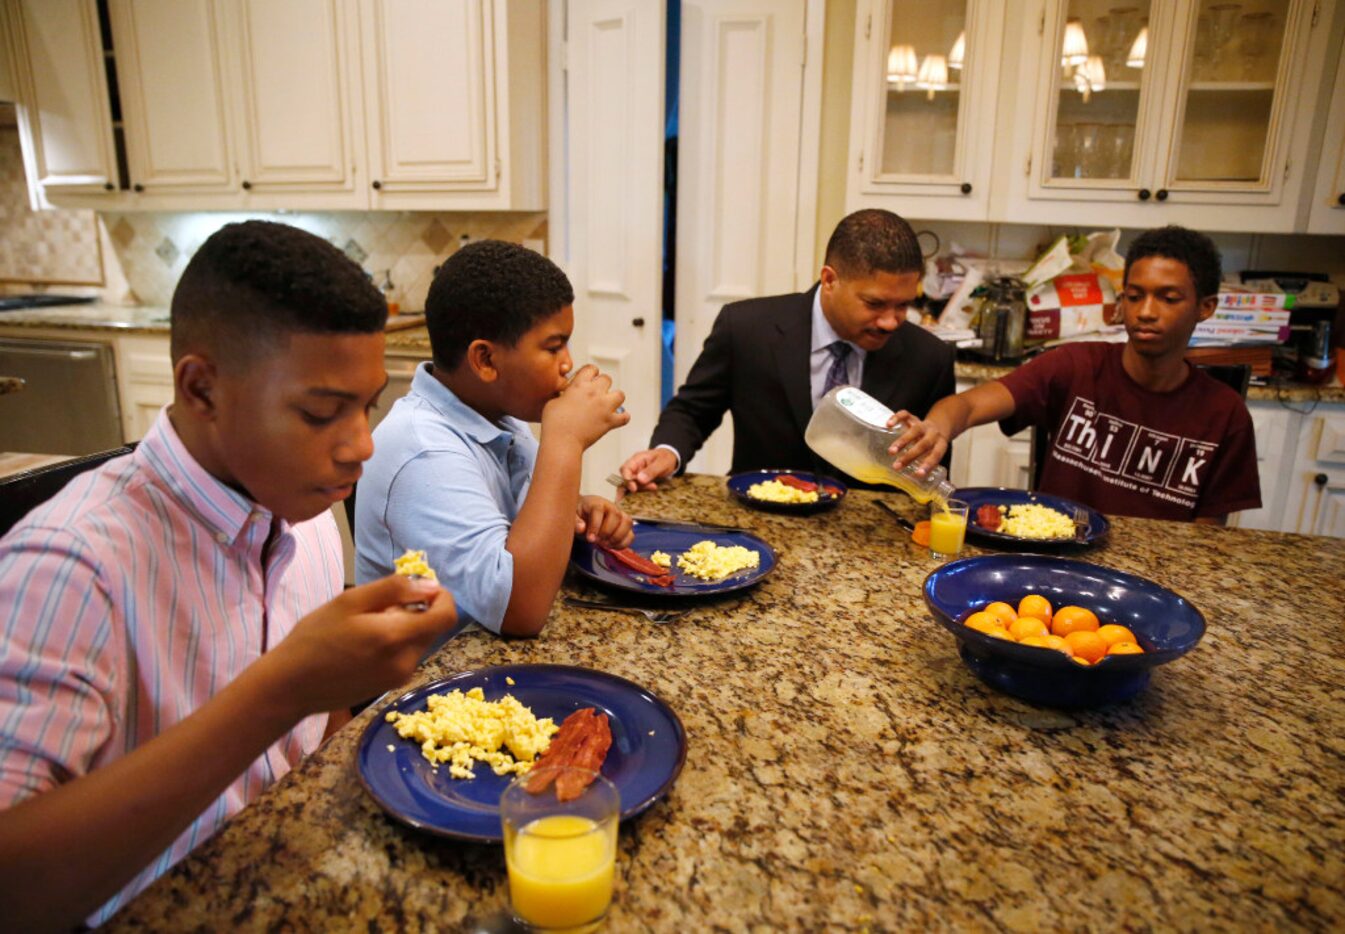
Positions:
{"x": 824, "y": 335}
{"x": 461, "y": 416}
{"x": 222, "y": 509}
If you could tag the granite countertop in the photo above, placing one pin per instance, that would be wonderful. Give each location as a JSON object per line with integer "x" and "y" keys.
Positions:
{"x": 846, "y": 771}
{"x": 10, "y": 384}
{"x": 94, "y": 316}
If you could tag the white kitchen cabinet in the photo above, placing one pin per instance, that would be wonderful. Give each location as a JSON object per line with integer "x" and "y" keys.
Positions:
{"x": 924, "y": 147}
{"x": 171, "y": 74}
{"x": 8, "y": 87}
{"x": 1316, "y": 499}
{"x": 453, "y": 93}
{"x": 65, "y": 124}
{"x": 1211, "y": 131}
{"x": 1276, "y": 430}
{"x": 144, "y": 381}
{"x": 1327, "y": 214}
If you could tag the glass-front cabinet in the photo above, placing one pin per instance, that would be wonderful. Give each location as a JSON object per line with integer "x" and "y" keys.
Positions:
{"x": 1188, "y": 111}
{"x": 923, "y": 106}
{"x": 1327, "y": 214}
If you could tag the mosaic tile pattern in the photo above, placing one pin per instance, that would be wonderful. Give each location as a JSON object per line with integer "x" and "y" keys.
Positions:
{"x": 151, "y": 250}
{"x": 42, "y": 246}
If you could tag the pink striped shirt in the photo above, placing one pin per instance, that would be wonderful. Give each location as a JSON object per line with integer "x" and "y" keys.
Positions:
{"x": 127, "y": 602}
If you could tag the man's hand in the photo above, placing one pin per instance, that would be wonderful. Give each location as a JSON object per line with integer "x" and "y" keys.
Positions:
{"x": 360, "y": 644}
{"x": 603, "y": 523}
{"x": 923, "y": 442}
{"x": 586, "y": 410}
{"x": 644, "y": 469}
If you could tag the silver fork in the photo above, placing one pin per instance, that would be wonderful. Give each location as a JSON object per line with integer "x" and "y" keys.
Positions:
{"x": 654, "y": 616}
{"x": 1080, "y": 524}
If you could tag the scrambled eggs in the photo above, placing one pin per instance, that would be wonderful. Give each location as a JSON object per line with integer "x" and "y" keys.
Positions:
{"x": 662, "y": 559}
{"x": 457, "y": 728}
{"x": 773, "y": 491}
{"x": 413, "y": 564}
{"x": 1033, "y": 520}
{"x": 712, "y": 562}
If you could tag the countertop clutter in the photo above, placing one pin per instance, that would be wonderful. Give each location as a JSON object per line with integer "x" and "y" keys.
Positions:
{"x": 846, "y": 771}
{"x": 133, "y": 319}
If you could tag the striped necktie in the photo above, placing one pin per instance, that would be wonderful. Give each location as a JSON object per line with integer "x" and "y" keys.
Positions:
{"x": 837, "y": 374}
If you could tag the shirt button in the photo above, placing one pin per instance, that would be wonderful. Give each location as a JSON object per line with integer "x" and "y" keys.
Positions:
{"x": 221, "y": 538}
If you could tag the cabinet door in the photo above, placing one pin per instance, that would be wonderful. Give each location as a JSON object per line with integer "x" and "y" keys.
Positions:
{"x": 65, "y": 123}
{"x": 429, "y": 70}
{"x": 145, "y": 382}
{"x": 1317, "y": 499}
{"x": 170, "y": 73}
{"x": 923, "y": 111}
{"x": 296, "y": 130}
{"x": 1170, "y": 111}
{"x": 1276, "y": 429}
{"x": 1328, "y": 200}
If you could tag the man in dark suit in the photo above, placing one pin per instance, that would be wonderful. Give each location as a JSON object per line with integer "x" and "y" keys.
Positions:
{"x": 769, "y": 360}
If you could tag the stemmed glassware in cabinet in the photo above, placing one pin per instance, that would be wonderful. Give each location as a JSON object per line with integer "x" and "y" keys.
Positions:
{"x": 1223, "y": 23}
{"x": 1254, "y": 30}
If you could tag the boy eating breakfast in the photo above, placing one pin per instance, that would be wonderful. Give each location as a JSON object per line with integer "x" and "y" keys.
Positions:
{"x": 456, "y": 470}
{"x": 171, "y": 640}
{"x": 1134, "y": 429}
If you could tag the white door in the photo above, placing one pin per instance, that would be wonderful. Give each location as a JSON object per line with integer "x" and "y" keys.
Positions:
{"x": 738, "y": 169}
{"x": 608, "y": 206}
{"x": 296, "y": 131}
{"x": 171, "y": 77}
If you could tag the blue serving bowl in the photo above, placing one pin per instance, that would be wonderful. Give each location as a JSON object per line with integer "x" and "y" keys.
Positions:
{"x": 1165, "y": 624}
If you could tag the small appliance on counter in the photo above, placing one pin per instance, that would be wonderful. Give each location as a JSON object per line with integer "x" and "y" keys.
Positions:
{"x": 1315, "y": 328}
{"x": 1001, "y": 319}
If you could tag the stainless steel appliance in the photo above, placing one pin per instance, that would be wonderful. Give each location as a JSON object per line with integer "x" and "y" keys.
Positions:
{"x": 69, "y": 403}
{"x": 1001, "y": 320}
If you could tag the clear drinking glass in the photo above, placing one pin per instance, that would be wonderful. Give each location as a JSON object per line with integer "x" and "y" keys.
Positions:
{"x": 1125, "y": 26}
{"x": 561, "y": 855}
{"x": 947, "y": 528}
{"x": 1254, "y": 30}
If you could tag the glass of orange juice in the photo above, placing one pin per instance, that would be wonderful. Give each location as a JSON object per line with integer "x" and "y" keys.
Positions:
{"x": 947, "y": 528}
{"x": 561, "y": 855}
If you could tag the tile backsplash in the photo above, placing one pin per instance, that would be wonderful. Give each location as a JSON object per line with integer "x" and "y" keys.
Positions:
{"x": 41, "y": 246}
{"x": 151, "y": 250}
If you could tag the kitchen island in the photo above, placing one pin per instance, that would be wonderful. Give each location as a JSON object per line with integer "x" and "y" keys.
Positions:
{"x": 846, "y": 771}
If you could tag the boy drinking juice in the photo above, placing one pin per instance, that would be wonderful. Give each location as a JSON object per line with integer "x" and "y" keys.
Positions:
{"x": 457, "y": 472}
{"x": 171, "y": 640}
{"x": 1135, "y": 430}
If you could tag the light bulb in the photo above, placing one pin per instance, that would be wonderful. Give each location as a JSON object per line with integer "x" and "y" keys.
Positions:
{"x": 959, "y": 51}
{"x": 1074, "y": 51}
{"x": 1138, "y": 49}
{"x": 933, "y": 75}
{"x": 901, "y": 65}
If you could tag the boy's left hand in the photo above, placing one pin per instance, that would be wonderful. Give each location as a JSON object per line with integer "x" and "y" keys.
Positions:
{"x": 603, "y": 523}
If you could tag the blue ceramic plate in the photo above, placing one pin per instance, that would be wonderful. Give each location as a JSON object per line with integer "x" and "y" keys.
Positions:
{"x": 648, "y": 748}
{"x": 832, "y": 492}
{"x": 597, "y": 565}
{"x": 1165, "y": 624}
{"x": 977, "y": 496}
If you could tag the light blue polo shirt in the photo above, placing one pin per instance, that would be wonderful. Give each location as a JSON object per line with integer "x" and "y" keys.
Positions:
{"x": 445, "y": 480}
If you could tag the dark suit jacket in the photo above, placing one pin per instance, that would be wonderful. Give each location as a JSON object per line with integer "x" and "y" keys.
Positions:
{"x": 755, "y": 365}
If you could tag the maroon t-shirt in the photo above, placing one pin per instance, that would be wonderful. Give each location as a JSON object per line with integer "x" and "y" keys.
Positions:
{"x": 1125, "y": 450}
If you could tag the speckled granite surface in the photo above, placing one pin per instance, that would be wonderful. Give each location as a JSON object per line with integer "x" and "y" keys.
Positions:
{"x": 846, "y": 772}
{"x": 96, "y": 316}
{"x": 10, "y": 384}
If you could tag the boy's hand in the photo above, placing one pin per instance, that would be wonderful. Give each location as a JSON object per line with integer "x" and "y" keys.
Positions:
{"x": 644, "y": 469}
{"x": 922, "y": 441}
{"x": 587, "y": 409}
{"x": 603, "y": 523}
{"x": 360, "y": 644}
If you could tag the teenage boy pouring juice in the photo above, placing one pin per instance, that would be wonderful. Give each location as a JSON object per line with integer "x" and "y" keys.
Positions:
{"x": 1135, "y": 430}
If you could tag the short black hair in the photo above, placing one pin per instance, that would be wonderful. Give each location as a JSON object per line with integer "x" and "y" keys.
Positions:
{"x": 1191, "y": 247}
{"x": 873, "y": 240}
{"x": 254, "y": 283}
{"x": 490, "y": 290}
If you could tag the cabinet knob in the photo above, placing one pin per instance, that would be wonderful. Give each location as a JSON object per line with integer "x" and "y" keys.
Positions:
{"x": 638, "y": 322}
{"x": 377, "y": 184}
{"x": 1340, "y": 199}
{"x": 966, "y": 188}
{"x": 247, "y": 185}
{"x": 1144, "y": 194}
{"x": 1162, "y": 194}
{"x": 107, "y": 186}
{"x": 1321, "y": 480}
{"x": 138, "y": 187}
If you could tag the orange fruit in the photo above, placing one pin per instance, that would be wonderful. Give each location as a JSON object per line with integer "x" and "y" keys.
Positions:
{"x": 983, "y": 622}
{"x": 1086, "y": 644}
{"x": 1124, "y": 648}
{"x": 1002, "y": 610}
{"x": 1035, "y": 605}
{"x": 920, "y": 534}
{"x": 1070, "y": 619}
{"x": 999, "y": 632}
{"x": 1113, "y": 633}
{"x": 1048, "y": 642}
{"x": 1080, "y": 660}
{"x": 1027, "y": 626}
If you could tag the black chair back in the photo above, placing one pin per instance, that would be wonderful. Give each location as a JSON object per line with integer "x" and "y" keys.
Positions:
{"x": 23, "y": 492}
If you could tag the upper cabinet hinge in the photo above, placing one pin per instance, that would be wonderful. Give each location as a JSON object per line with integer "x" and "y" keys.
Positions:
{"x": 1028, "y": 170}
{"x": 1287, "y": 162}
{"x": 1316, "y": 12}
{"x": 868, "y": 25}
{"x": 861, "y": 163}
{"x": 564, "y": 56}
{"x": 1041, "y": 23}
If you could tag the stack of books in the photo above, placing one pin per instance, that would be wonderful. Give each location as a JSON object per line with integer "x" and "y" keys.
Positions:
{"x": 1246, "y": 319}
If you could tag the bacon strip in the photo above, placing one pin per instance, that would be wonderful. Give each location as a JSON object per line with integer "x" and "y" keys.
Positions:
{"x": 658, "y": 575}
{"x": 797, "y": 483}
{"x": 988, "y": 517}
{"x": 582, "y": 742}
{"x": 589, "y": 755}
